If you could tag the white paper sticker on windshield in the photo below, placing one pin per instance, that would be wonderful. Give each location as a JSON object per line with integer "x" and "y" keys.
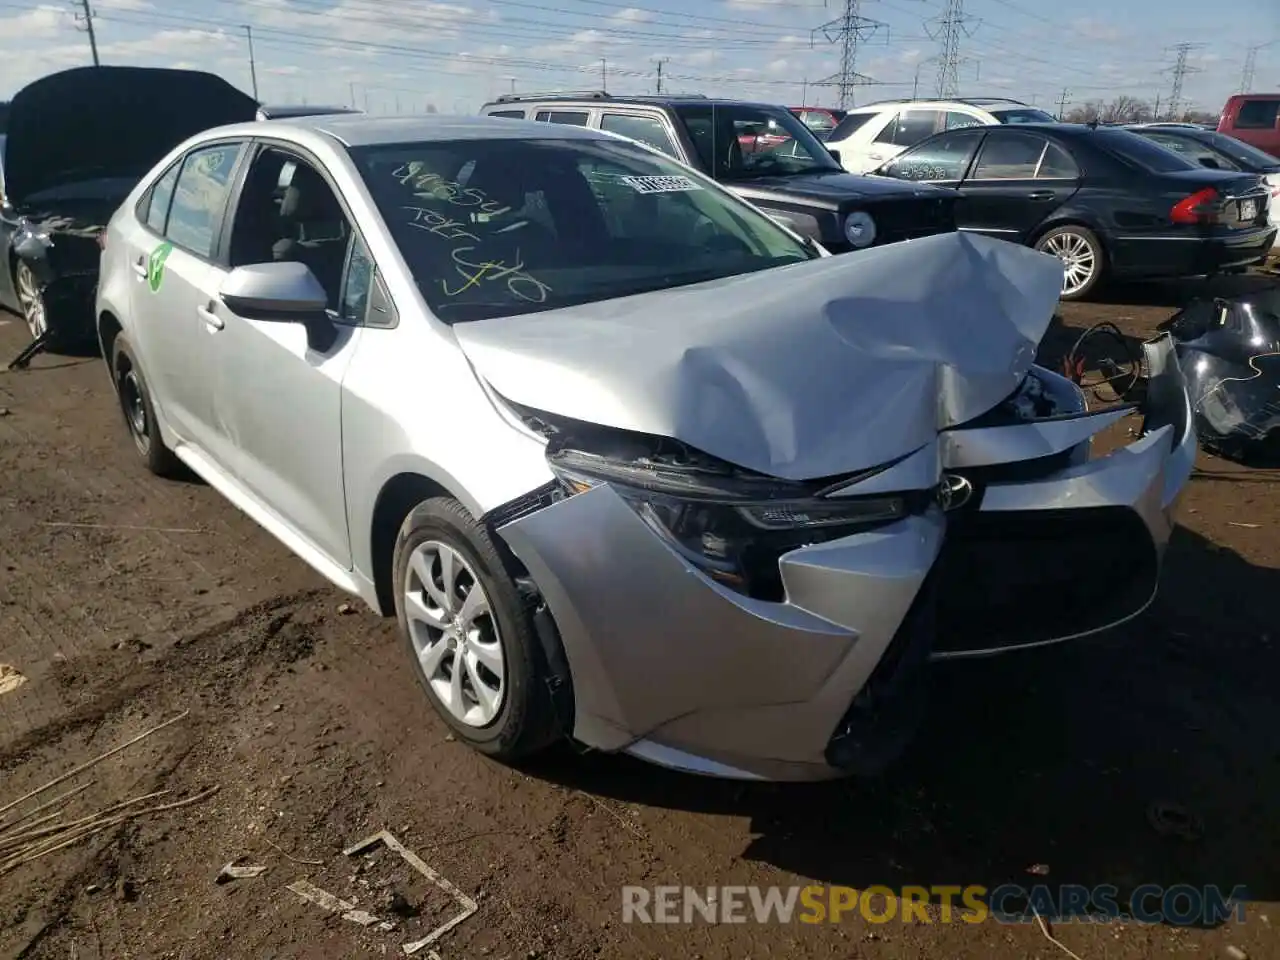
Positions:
{"x": 660, "y": 184}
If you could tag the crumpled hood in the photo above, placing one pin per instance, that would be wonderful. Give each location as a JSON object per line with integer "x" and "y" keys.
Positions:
{"x": 91, "y": 123}
{"x": 810, "y": 370}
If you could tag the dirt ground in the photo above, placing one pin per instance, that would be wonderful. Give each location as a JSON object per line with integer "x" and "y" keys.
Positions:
{"x": 125, "y": 601}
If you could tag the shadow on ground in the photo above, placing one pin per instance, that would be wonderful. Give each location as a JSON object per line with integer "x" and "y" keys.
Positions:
{"x": 1177, "y": 293}
{"x": 1050, "y": 758}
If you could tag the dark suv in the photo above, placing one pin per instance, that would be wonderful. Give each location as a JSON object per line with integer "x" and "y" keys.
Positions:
{"x": 761, "y": 152}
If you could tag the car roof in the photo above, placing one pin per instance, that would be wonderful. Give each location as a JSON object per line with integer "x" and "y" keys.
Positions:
{"x": 361, "y": 130}
{"x": 655, "y": 100}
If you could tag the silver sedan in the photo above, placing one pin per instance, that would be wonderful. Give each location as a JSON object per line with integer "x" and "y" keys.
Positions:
{"x": 630, "y": 462}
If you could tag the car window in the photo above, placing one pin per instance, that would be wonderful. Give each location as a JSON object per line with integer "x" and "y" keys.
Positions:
{"x": 200, "y": 198}
{"x": 288, "y": 212}
{"x": 1258, "y": 115}
{"x": 848, "y": 125}
{"x": 159, "y": 196}
{"x": 647, "y": 130}
{"x": 1138, "y": 151}
{"x": 910, "y": 127}
{"x": 511, "y": 114}
{"x": 543, "y": 224}
{"x": 945, "y": 157}
{"x": 818, "y": 120}
{"x": 1008, "y": 156}
{"x": 958, "y": 121}
{"x": 572, "y": 117}
{"x": 1246, "y": 155}
{"x": 357, "y": 283}
{"x": 740, "y": 141}
{"x": 1056, "y": 164}
{"x": 1193, "y": 150}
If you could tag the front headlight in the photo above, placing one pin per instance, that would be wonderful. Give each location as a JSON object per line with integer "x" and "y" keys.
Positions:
{"x": 730, "y": 525}
{"x": 860, "y": 229}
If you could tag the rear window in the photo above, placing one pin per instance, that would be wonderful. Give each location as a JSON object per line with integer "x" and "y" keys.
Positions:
{"x": 1258, "y": 115}
{"x": 1024, "y": 115}
{"x": 848, "y": 125}
{"x": 1244, "y": 153}
{"x": 509, "y": 114}
{"x": 1141, "y": 152}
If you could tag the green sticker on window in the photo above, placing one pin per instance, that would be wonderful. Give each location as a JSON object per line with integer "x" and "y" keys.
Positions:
{"x": 155, "y": 265}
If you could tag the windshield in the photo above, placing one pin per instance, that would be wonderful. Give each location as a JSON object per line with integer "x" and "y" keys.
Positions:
{"x": 1141, "y": 152}
{"x": 1024, "y": 115}
{"x": 1243, "y": 153}
{"x": 501, "y": 227}
{"x": 738, "y": 141}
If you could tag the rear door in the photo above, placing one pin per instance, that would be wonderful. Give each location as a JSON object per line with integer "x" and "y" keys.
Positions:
{"x": 1017, "y": 179}
{"x": 172, "y": 246}
{"x": 906, "y": 129}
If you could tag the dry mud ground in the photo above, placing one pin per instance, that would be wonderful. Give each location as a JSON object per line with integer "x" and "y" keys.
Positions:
{"x": 125, "y": 600}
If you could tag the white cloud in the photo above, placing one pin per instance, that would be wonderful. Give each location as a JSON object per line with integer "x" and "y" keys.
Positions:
{"x": 1098, "y": 31}
{"x": 632, "y": 15}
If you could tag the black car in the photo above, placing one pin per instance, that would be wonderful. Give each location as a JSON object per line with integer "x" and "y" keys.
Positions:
{"x": 1106, "y": 201}
{"x": 76, "y": 143}
{"x": 761, "y": 152}
{"x": 1217, "y": 151}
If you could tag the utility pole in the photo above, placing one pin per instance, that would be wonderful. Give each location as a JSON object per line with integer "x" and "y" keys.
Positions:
{"x": 949, "y": 28}
{"x": 253, "y": 67}
{"x": 915, "y": 84}
{"x": 604, "y": 75}
{"x": 1180, "y": 69}
{"x": 353, "y": 94}
{"x": 850, "y": 30}
{"x": 804, "y": 91}
{"x": 660, "y": 62}
{"x": 1062, "y": 103}
{"x": 87, "y": 16}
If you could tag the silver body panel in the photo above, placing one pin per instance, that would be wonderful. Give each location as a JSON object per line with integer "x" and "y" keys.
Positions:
{"x": 819, "y": 369}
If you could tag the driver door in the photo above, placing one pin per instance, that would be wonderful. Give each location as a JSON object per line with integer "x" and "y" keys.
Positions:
{"x": 278, "y": 389}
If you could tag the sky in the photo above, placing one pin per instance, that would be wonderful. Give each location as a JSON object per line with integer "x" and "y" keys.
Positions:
{"x": 406, "y": 56}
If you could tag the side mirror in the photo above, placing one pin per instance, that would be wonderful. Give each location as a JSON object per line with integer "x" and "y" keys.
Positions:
{"x": 284, "y": 292}
{"x": 835, "y": 155}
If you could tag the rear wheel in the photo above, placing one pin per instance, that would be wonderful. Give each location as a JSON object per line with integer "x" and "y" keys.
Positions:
{"x": 1081, "y": 255}
{"x": 139, "y": 412}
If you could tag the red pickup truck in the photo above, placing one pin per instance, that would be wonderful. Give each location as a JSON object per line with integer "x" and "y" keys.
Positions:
{"x": 1253, "y": 118}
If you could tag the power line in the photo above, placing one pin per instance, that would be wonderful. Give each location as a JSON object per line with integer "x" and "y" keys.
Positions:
{"x": 948, "y": 29}
{"x": 849, "y": 30}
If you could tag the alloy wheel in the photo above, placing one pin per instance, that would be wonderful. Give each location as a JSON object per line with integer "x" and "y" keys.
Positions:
{"x": 454, "y": 633}
{"x": 31, "y": 299}
{"x": 1077, "y": 258}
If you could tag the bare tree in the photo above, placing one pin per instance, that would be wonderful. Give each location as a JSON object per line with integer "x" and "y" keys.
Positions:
{"x": 1123, "y": 109}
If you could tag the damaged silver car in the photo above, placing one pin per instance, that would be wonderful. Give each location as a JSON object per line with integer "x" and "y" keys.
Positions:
{"x": 630, "y": 462}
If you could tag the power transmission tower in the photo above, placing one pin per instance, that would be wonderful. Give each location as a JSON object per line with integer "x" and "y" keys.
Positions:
{"x": 1062, "y": 102}
{"x": 949, "y": 28}
{"x": 1250, "y": 64}
{"x": 660, "y": 62}
{"x": 86, "y": 16}
{"x": 1180, "y": 69}
{"x": 850, "y": 30}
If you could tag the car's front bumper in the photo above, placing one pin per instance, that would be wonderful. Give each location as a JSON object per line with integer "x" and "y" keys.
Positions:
{"x": 677, "y": 669}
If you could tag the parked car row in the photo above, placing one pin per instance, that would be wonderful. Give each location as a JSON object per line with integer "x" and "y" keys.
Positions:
{"x": 685, "y": 442}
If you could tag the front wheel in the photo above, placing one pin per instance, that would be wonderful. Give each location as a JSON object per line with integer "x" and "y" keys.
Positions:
{"x": 1081, "y": 255}
{"x": 469, "y": 634}
{"x": 31, "y": 299}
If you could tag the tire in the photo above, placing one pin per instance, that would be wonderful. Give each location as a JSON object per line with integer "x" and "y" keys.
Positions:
{"x": 139, "y": 414}
{"x": 520, "y": 721}
{"x": 1074, "y": 244}
{"x": 30, "y": 298}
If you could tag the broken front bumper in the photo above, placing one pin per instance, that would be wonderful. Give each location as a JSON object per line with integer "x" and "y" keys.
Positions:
{"x": 675, "y": 668}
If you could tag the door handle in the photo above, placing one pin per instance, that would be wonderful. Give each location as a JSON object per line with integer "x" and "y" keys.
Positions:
{"x": 211, "y": 319}
{"x": 1041, "y": 195}
{"x": 140, "y": 267}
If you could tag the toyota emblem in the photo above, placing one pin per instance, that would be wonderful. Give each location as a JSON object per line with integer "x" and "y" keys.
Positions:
{"x": 954, "y": 491}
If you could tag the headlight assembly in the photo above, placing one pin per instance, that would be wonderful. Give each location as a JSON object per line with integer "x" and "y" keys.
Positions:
{"x": 731, "y": 525}
{"x": 860, "y": 229}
